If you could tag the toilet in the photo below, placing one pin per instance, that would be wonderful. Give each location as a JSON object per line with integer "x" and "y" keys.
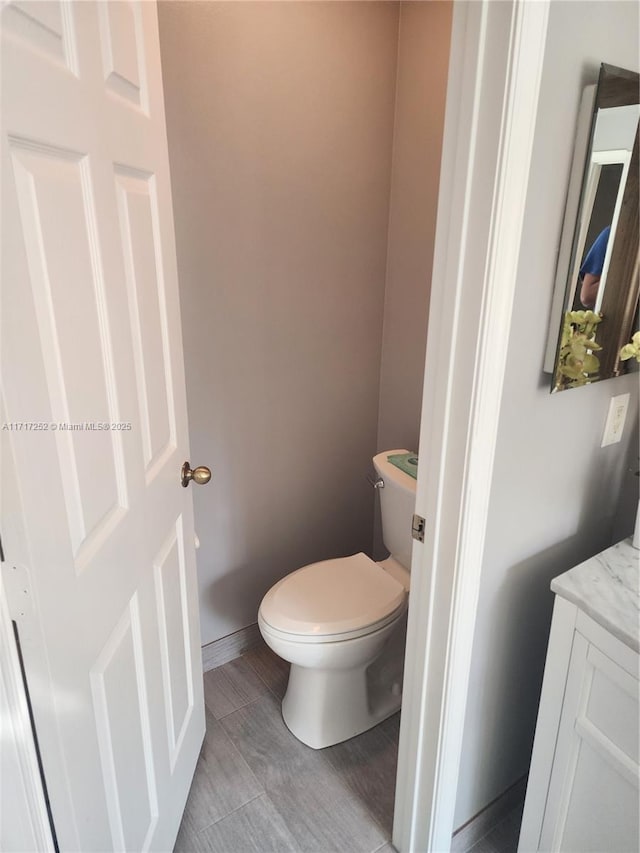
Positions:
{"x": 341, "y": 624}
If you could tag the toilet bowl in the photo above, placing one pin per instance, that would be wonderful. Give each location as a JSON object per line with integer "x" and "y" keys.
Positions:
{"x": 341, "y": 625}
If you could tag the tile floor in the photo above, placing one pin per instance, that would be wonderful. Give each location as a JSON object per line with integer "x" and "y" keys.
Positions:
{"x": 257, "y": 788}
{"x": 503, "y": 838}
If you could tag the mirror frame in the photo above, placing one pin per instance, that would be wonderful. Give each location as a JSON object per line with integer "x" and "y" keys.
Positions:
{"x": 616, "y": 87}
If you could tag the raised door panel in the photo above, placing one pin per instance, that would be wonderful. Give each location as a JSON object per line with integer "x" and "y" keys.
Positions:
{"x": 170, "y": 582}
{"x": 68, "y": 290}
{"x": 122, "y": 47}
{"x": 43, "y": 26}
{"x": 124, "y": 734}
{"x": 139, "y": 228}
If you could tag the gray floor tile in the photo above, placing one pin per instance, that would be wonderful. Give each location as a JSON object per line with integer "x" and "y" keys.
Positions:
{"x": 319, "y": 807}
{"x": 222, "y": 782}
{"x": 391, "y": 727}
{"x": 272, "y": 670}
{"x": 257, "y": 788}
{"x": 325, "y": 816}
{"x": 503, "y": 838}
{"x": 268, "y": 747}
{"x": 367, "y": 765}
{"x": 187, "y": 841}
{"x": 255, "y": 828}
{"x": 231, "y": 686}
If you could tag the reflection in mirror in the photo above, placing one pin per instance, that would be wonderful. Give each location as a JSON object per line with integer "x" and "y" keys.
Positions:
{"x": 597, "y": 276}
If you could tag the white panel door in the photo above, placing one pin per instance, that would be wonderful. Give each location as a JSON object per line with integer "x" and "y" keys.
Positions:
{"x": 95, "y": 429}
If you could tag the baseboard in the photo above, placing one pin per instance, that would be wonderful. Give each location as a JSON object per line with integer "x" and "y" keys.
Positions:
{"x": 228, "y": 648}
{"x": 482, "y": 824}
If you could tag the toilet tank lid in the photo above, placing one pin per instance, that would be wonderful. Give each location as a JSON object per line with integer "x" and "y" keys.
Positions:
{"x": 332, "y": 597}
{"x": 388, "y": 471}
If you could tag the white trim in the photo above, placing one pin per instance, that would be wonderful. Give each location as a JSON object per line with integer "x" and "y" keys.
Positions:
{"x": 556, "y": 670}
{"x": 30, "y": 821}
{"x": 496, "y": 67}
{"x": 230, "y": 647}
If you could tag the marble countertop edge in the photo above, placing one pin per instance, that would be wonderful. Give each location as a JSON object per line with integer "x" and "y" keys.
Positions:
{"x": 607, "y": 588}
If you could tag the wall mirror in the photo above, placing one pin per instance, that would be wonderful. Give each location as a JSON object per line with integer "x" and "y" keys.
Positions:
{"x": 595, "y": 304}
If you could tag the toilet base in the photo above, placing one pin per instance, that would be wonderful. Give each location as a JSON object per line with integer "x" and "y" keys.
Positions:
{"x": 319, "y": 723}
{"x": 323, "y": 707}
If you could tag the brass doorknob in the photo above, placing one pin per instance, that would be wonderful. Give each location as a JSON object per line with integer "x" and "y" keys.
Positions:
{"x": 199, "y": 475}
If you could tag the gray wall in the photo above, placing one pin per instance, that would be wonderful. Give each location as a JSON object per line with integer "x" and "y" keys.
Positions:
{"x": 557, "y": 497}
{"x": 424, "y": 36}
{"x": 421, "y": 89}
{"x": 280, "y": 123}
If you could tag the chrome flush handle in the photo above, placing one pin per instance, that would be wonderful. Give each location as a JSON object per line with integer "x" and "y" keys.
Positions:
{"x": 376, "y": 483}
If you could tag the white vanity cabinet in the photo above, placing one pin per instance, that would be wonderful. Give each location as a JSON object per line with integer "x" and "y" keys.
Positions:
{"x": 583, "y": 788}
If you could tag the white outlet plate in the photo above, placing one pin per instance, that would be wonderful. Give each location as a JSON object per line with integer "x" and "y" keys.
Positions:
{"x": 616, "y": 417}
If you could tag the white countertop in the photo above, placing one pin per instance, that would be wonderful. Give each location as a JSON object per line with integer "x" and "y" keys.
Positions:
{"x": 607, "y": 588}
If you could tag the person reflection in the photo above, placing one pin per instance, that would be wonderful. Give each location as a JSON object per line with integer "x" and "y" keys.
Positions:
{"x": 591, "y": 269}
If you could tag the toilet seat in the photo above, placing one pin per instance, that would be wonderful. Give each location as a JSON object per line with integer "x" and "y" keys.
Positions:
{"x": 333, "y": 600}
{"x": 325, "y": 639}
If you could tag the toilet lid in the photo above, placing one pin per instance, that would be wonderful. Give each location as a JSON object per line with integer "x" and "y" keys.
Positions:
{"x": 332, "y": 597}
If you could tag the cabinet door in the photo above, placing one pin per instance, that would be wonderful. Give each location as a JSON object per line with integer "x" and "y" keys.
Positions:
{"x": 592, "y": 803}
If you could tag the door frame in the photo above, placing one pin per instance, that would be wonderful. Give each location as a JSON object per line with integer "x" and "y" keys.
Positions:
{"x": 497, "y": 56}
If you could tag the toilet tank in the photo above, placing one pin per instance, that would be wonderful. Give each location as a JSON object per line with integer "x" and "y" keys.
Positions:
{"x": 397, "y": 505}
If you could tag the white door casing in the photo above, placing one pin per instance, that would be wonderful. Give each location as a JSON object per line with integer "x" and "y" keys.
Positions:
{"x": 102, "y": 583}
{"x": 497, "y": 54}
